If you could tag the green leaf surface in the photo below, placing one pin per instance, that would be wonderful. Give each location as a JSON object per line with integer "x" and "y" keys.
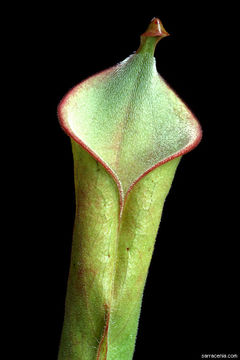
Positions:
{"x": 124, "y": 123}
{"x": 129, "y": 119}
{"x": 110, "y": 259}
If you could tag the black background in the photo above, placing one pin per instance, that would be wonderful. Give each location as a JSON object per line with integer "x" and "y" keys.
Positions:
{"x": 190, "y": 304}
